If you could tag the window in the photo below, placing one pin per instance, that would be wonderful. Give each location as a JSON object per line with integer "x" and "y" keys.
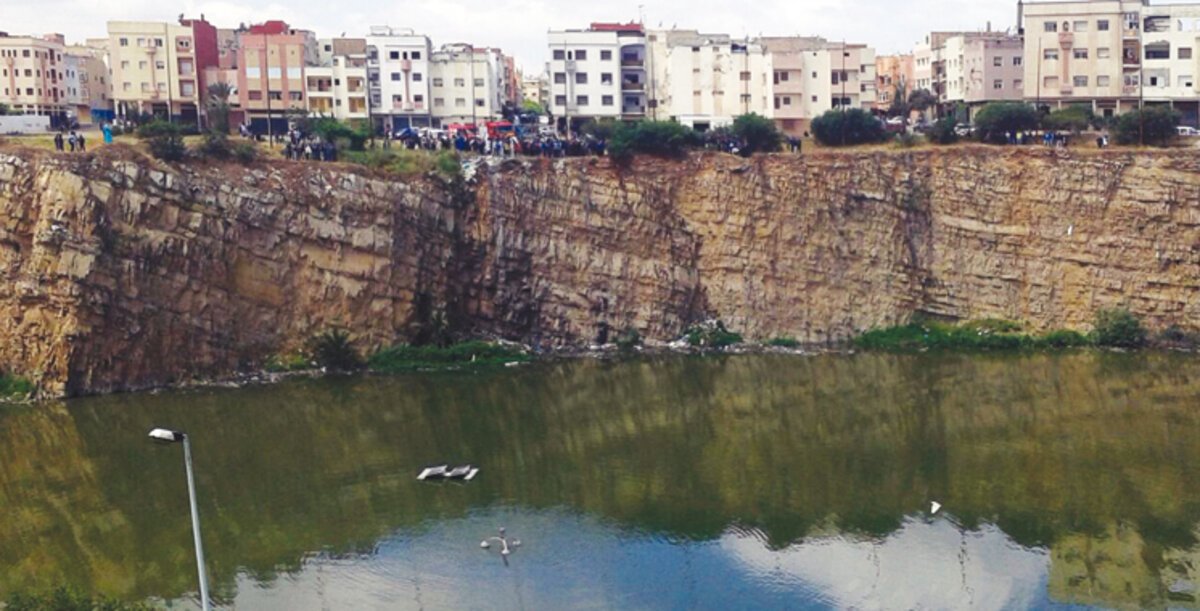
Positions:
{"x": 559, "y": 54}
{"x": 606, "y": 100}
{"x": 124, "y": 42}
{"x": 417, "y": 77}
{"x": 160, "y": 65}
{"x": 275, "y": 95}
{"x": 395, "y": 76}
{"x": 1160, "y": 51}
{"x": 142, "y": 65}
{"x": 581, "y": 78}
{"x": 458, "y": 82}
{"x": 581, "y": 100}
{"x": 998, "y": 61}
{"x": 580, "y": 55}
{"x": 439, "y": 102}
{"x": 145, "y": 87}
{"x": 1080, "y": 81}
{"x": 437, "y": 82}
{"x": 125, "y": 65}
{"x": 606, "y": 78}
{"x": 814, "y": 99}
{"x": 1103, "y": 53}
{"x": 1017, "y": 84}
{"x": 415, "y": 55}
{"x": 253, "y": 72}
{"x": 418, "y": 98}
{"x": 1080, "y": 26}
{"x": 560, "y": 100}
{"x": 393, "y": 55}
{"x": 460, "y": 102}
{"x": 1050, "y": 26}
{"x": 141, "y": 42}
{"x": 605, "y": 56}
{"x": 1185, "y": 81}
{"x": 1103, "y": 81}
{"x": 295, "y": 96}
{"x": 274, "y": 72}
{"x": 1080, "y": 53}
{"x": 560, "y": 78}
{"x": 479, "y": 102}
{"x": 293, "y": 72}
{"x": 184, "y": 42}
{"x": 1050, "y": 54}
{"x": 187, "y": 89}
{"x": 744, "y": 76}
{"x": 1102, "y": 25}
{"x": 1185, "y": 52}
{"x": 1017, "y": 61}
{"x": 1050, "y": 82}
{"x": 479, "y": 82}
{"x": 814, "y": 74}
{"x": 998, "y": 84}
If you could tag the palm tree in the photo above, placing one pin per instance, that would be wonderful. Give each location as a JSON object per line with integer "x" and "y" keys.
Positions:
{"x": 218, "y": 107}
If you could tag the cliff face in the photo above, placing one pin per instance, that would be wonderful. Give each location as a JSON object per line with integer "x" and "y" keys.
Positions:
{"x": 119, "y": 273}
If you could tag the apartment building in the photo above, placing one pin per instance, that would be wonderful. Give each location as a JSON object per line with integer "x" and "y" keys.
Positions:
{"x": 32, "y": 76}
{"x": 398, "y": 78}
{"x": 272, "y": 63}
{"x": 337, "y": 87}
{"x": 815, "y": 76}
{"x": 983, "y": 67}
{"x": 1112, "y": 55}
{"x": 535, "y": 89}
{"x": 892, "y": 73}
{"x": 598, "y": 73}
{"x": 159, "y": 67}
{"x": 88, "y": 87}
{"x": 468, "y": 85}
{"x": 705, "y": 80}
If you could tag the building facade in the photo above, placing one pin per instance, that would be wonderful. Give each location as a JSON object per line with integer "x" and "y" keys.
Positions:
{"x": 89, "y": 87}
{"x": 705, "y": 80}
{"x": 272, "y": 63}
{"x": 398, "y": 78}
{"x": 468, "y": 85}
{"x": 337, "y": 87}
{"x": 983, "y": 67}
{"x": 33, "y": 76}
{"x": 158, "y": 68}
{"x": 892, "y": 74}
{"x": 597, "y": 74}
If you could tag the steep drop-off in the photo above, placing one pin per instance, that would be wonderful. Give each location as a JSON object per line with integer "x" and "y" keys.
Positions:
{"x": 119, "y": 273}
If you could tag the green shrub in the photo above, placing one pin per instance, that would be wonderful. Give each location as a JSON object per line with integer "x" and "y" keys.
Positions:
{"x": 245, "y": 152}
{"x": 333, "y": 351}
{"x": 784, "y": 342}
{"x": 1118, "y": 328}
{"x": 1071, "y": 119}
{"x": 476, "y": 353}
{"x": 215, "y": 145}
{"x": 629, "y": 340}
{"x": 757, "y": 133}
{"x": 164, "y": 139}
{"x": 447, "y": 164}
{"x": 942, "y": 131}
{"x": 67, "y": 599}
{"x": 14, "y": 387}
{"x": 906, "y": 140}
{"x": 292, "y": 361}
{"x": 403, "y": 163}
{"x": 712, "y": 334}
{"x": 352, "y": 136}
{"x": 975, "y": 335}
{"x": 1155, "y": 126}
{"x": 659, "y": 138}
{"x": 602, "y": 128}
{"x": 847, "y": 127}
{"x": 997, "y": 119}
{"x": 1065, "y": 339}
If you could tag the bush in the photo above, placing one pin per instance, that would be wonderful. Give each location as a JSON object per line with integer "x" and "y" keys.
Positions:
{"x": 602, "y": 129}
{"x": 784, "y": 342}
{"x": 404, "y": 163}
{"x": 1156, "y": 126}
{"x": 447, "y": 164}
{"x": 14, "y": 387}
{"x": 757, "y": 133}
{"x": 1073, "y": 119}
{"x": 977, "y": 335}
{"x": 292, "y": 361}
{"x": 215, "y": 145}
{"x": 847, "y": 127}
{"x": 629, "y": 340}
{"x": 659, "y": 138}
{"x": 245, "y": 152}
{"x": 1118, "y": 328}
{"x": 712, "y": 334}
{"x": 1065, "y": 339}
{"x": 477, "y": 353}
{"x": 67, "y": 599}
{"x": 942, "y": 131}
{"x": 906, "y": 140}
{"x": 345, "y": 135}
{"x": 996, "y": 120}
{"x": 333, "y": 351}
{"x": 164, "y": 139}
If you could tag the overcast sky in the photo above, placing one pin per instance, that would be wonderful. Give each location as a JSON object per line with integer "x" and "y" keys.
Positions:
{"x": 519, "y": 26}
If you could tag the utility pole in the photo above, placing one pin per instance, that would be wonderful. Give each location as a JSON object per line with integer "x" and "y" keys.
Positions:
{"x": 265, "y": 65}
{"x": 1038, "y": 59}
{"x": 841, "y": 102}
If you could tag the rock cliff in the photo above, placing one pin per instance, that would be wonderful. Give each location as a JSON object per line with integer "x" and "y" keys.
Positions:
{"x": 123, "y": 273}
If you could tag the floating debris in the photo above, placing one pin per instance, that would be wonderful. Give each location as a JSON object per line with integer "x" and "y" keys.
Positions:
{"x": 464, "y": 473}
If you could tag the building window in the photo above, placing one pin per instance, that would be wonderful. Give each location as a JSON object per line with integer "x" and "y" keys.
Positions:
{"x": 395, "y": 76}
{"x": 606, "y": 78}
{"x": 418, "y": 98}
{"x": 1050, "y": 54}
{"x": 1102, "y": 25}
{"x": 393, "y": 55}
{"x": 559, "y": 54}
{"x": 458, "y": 82}
{"x": 744, "y": 76}
{"x": 479, "y": 102}
{"x": 560, "y": 78}
{"x": 998, "y": 61}
{"x": 998, "y": 84}
{"x": 1017, "y": 84}
{"x": 1103, "y": 53}
{"x": 581, "y": 78}
{"x": 1080, "y": 53}
{"x": 1050, "y": 26}
{"x": 479, "y": 82}
{"x": 415, "y": 55}
{"x": 581, "y": 100}
{"x": 1080, "y": 26}
{"x": 142, "y": 65}
{"x": 187, "y": 89}
{"x": 253, "y": 72}
{"x": 814, "y": 99}
{"x": 275, "y": 95}
{"x": 460, "y": 102}
{"x": 160, "y": 65}
{"x": 1103, "y": 81}
{"x": 560, "y": 100}
{"x": 124, "y": 42}
{"x": 580, "y": 54}
{"x": 1017, "y": 61}
{"x": 1159, "y": 51}
{"x": 439, "y": 102}
{"x": 1185, "y": 52}
{"x": 1050, "y": 82}
{"x": 417, "y": 77}
{"x": 437, "y": 82}
{"x": 295, "y": 96}
{"x": 606, "y": 56}
{"x": 606, "y": 100}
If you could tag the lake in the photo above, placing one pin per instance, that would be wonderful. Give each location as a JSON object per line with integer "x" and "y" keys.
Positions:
{"x": 1067, "y": 480}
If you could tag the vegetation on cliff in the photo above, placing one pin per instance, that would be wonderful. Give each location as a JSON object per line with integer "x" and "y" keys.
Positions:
{"x": 473, "y": 353}
{"x": 1115, "y": 328}
{"x": 67, "y": 599}
{"x": 14, "y": 388}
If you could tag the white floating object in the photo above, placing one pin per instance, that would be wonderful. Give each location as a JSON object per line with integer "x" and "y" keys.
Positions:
{"x": 435, "y": 472}
{"x": 471, "y": 474}
{"x": 484, "y": 544}
{"x": 934, "y": 507}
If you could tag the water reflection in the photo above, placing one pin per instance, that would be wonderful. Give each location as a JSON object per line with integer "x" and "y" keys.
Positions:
{"x": 674, "y": 483}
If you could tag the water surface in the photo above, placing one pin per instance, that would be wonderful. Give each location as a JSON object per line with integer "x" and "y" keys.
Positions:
{"x": 747, "y": 482}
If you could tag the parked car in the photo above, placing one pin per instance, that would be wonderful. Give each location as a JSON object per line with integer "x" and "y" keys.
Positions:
{"x": 963, "y": 130}
{"x": 1184, "y": 130}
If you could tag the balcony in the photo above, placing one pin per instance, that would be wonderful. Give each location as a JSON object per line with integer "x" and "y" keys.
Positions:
{"x": 628, "y": 86}
{"x": 1066, "y": 40}
{"x": 1066, "y": 89}
{"x": 632, "y": 62}
{"x": 633, "y": 110}
{"x": 1129, "y": 90}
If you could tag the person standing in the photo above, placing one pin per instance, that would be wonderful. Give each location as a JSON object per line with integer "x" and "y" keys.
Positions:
{"x": 82, "y": 143}
{"x": 107, "y": 129}
{"x": 71, "y": 141}
{"x": 58, "y": 141}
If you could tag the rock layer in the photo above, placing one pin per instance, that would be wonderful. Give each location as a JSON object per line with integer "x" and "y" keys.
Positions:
{"x": 122, "y": 273}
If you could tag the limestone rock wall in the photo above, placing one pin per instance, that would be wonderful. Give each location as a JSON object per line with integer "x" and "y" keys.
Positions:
{"x": 121, "y": 273}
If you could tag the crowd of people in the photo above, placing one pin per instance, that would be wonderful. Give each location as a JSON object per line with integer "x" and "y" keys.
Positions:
{"x": 309, "y": 147}
{"x": 74, "y": 141}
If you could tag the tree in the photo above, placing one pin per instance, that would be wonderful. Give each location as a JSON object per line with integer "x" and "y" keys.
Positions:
{"x": 943, "y": 132}
{"x": 218, "y": 107}
{"x": 4, "y": 109}
{"x": 1155, "y": 126}
{"x": 164, "y": 139}
{"x": 757, "y": 133}
{"x": 661, "y": 138}
{"x": 1073, "y": 119}
{"x": 845, "y": 127}
{"x": 996, "y": 120}
{"x": 533, "y": 107}
{"x": 602, "y": 128}
{"x": 904, "y": 103}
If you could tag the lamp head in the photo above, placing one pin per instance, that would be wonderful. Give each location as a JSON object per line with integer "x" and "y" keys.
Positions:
{"x": 166, "y": 435}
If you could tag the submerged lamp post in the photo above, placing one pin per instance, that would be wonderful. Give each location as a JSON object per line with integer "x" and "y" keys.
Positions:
{"x": 169, "y": 436}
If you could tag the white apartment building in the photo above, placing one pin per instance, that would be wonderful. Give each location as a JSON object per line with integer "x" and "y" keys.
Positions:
{"x": 598, "y": 73}
{"x": 812, "y": 76}
{"x": 398, "y": 78}
{"x": 337, "y": 87}
{"x": 705, "y": 80}
{"x": 467, "y": 84}
{"x": 1113, "y": 55}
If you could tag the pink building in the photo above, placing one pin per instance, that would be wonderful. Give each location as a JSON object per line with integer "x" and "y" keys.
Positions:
{"x": 891, "y": 73}
{"x": 271, "y": 63}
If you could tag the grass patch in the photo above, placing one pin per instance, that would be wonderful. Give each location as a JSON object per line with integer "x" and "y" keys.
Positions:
{"x": 784, "y": 342}
{"x": 406, "y": 163}
{"x": 67, "y": 599}
{"x": 475, "y": 354}
{"x": 289, "y": 363}
{"x": 976, "y": 335}
{"x": 712, "y": 334}
{"x": 15, "y": 388}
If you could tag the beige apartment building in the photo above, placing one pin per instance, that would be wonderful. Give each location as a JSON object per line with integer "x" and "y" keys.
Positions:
{"x": 89, "y": 89}
{"x": 812, "y": 76}
{"x": 706, "y": 80}
{"x": 892, "y": 72}
{"x": 33, "y": 77}
{"x": 337, "y": 87}
{"x": 158, "y": 67}
{"x": 983, "y": 67}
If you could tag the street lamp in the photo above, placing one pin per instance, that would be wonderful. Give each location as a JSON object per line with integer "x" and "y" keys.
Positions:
{"x": 169, "y": 436}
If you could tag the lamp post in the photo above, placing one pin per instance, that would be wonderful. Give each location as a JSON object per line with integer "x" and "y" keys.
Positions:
{"x": 169, "y": 436}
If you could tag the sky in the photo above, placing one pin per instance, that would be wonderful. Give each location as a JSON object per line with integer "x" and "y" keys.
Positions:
{"x": 519, "y": 26}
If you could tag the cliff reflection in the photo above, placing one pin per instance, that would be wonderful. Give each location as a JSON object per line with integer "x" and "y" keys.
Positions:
{"x": 1093, "y": 456}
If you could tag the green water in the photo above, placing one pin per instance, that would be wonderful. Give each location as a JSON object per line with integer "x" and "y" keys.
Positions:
{"x": 742, "y": 482}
